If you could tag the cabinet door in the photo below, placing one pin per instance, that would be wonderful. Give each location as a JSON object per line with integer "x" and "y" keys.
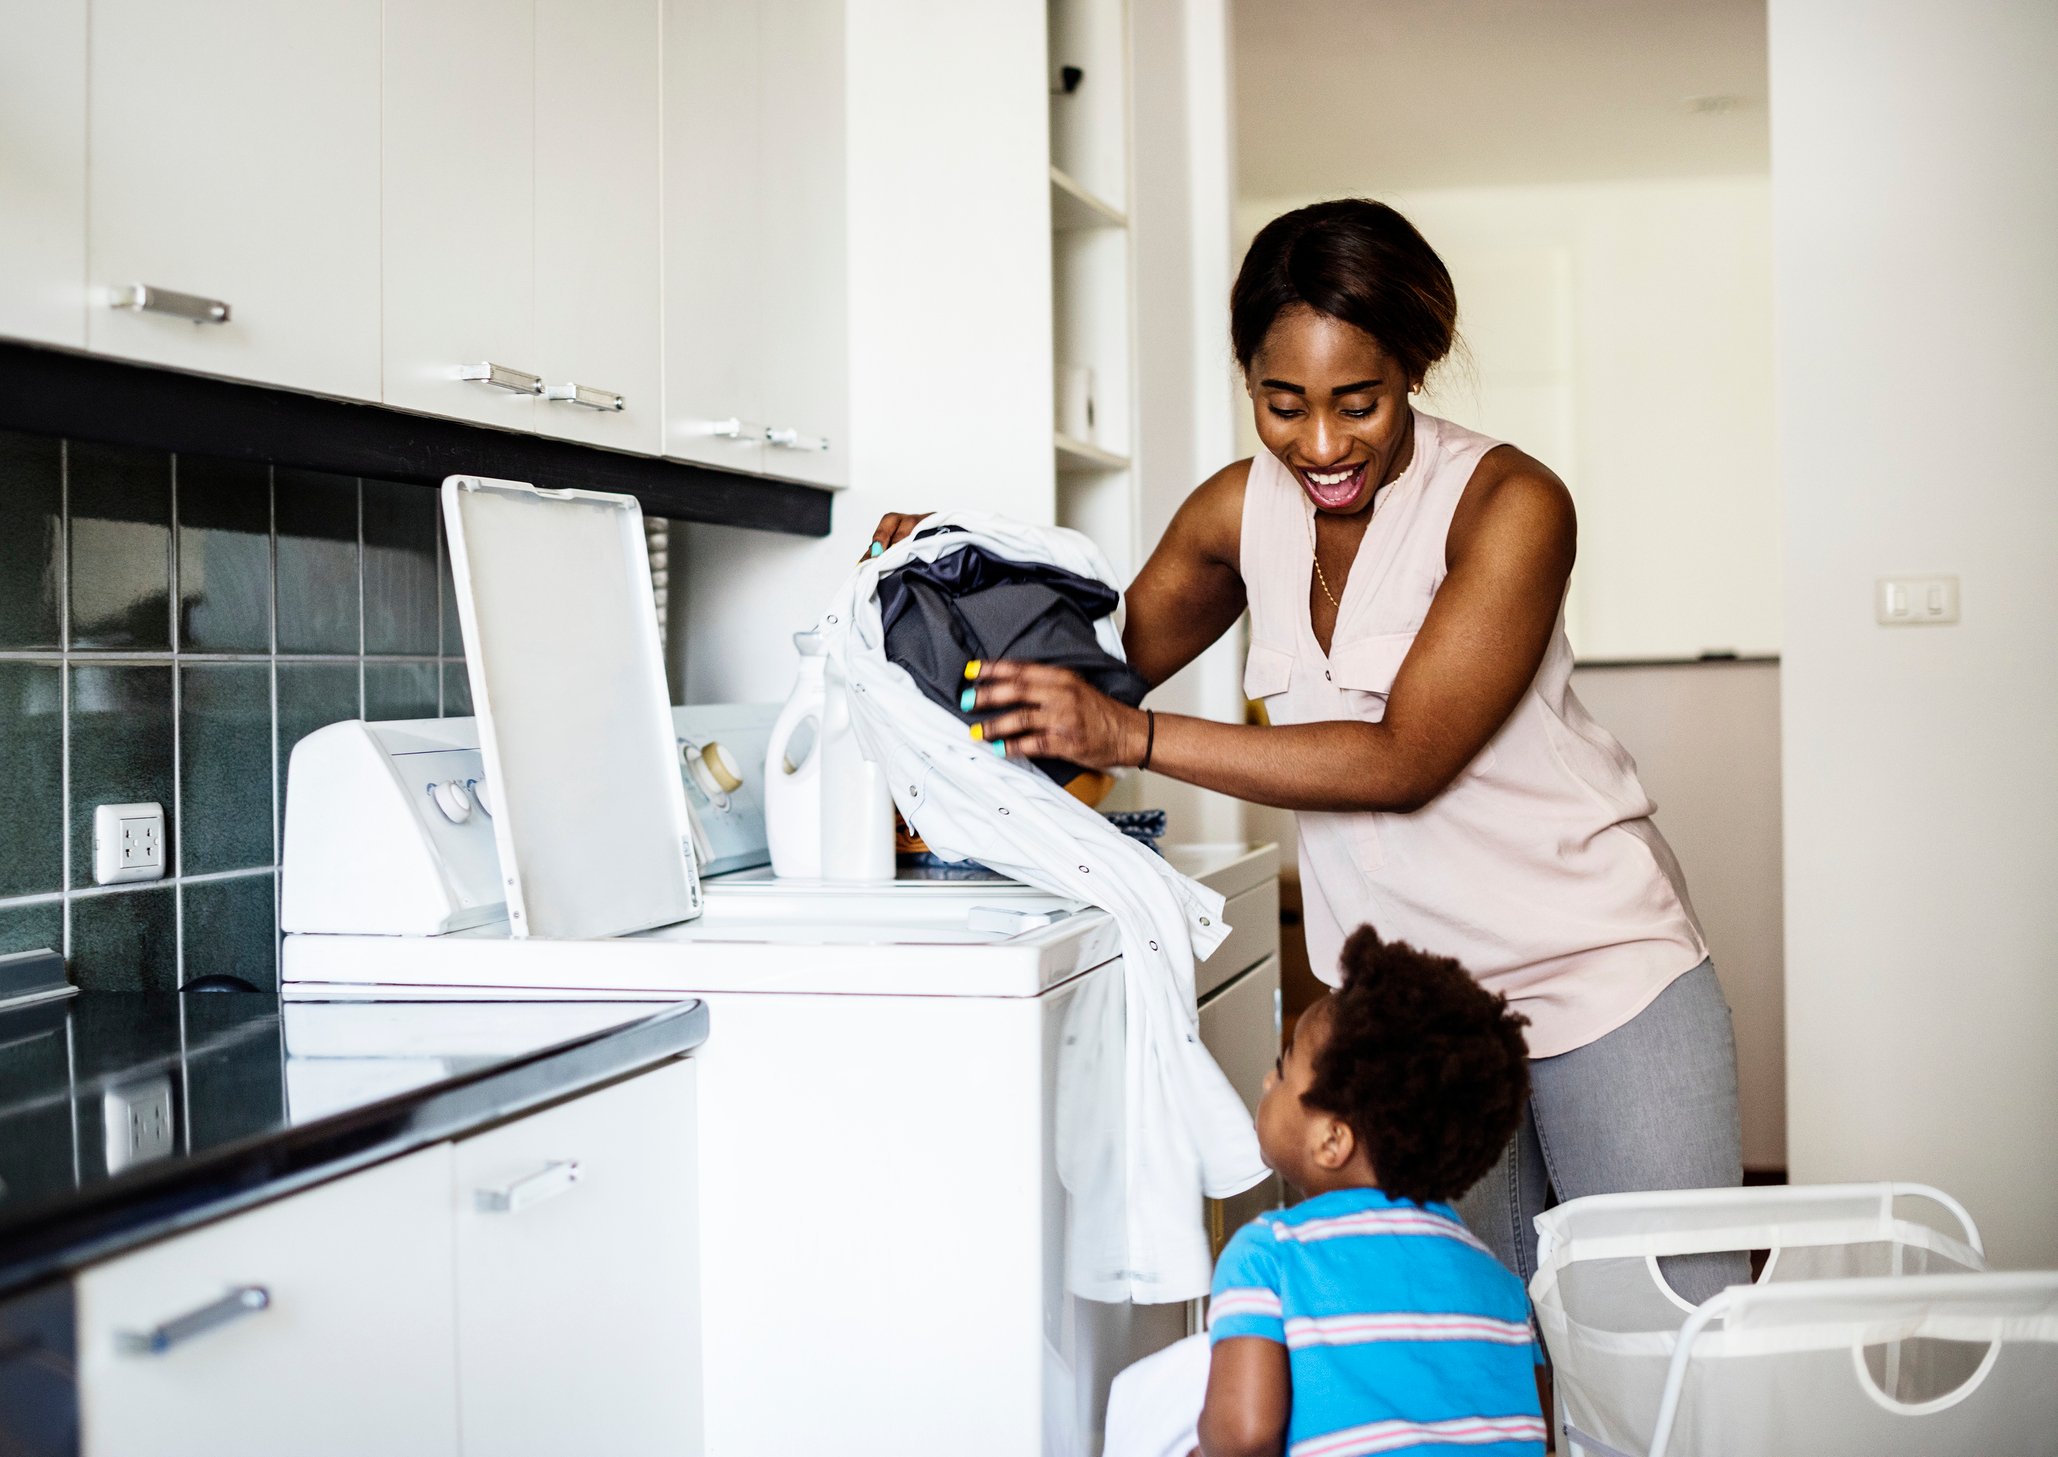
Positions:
{"x": 234, "y": 156}
{"x": 43, "y": 170}
{"x": 459, "y": 207}
{"x": 1239, "y": 1026}
{"x": 578, "y": 1276}
{"x": 804, "y": 337}
{"x": 714, "y": 233}
{"x": 352, "y": 1351}
{"x": 598, "y": 283}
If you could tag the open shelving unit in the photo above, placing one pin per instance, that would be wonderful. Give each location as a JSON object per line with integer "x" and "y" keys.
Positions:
{"x": 1092, "y": 267}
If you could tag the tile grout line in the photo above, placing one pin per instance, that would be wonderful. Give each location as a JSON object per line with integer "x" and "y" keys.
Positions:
{"x": 359, "y": 480}
{"x": 139, "y": 887}
{"x": 178, "y": 819}
{"x": 440, "y": 669}
{"x": 64, "y": 692}
{"x": 118, "y": 657}
{"x": 278, "y": 808}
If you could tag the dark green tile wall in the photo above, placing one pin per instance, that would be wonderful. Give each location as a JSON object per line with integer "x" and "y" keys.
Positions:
{"x": 170, "y": 626}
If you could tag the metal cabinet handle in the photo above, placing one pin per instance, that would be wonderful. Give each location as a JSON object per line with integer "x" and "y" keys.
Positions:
{"x": 243, "y": 1301}
{"x": 790, "y": 439}
{"x": 143, "y": 299}
{"x": 729, "y": 429}
{"x": 547, "y": 1182}
{"x": 516, "y": 381}
{"x": 582, "y": 394}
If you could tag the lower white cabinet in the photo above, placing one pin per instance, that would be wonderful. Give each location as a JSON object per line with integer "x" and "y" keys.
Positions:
{"x": 1239, "y": 1026}
{"x": 578, "y": 1279}
{"x": 533, "y": 1288}
{"x": 318, "y": 1324}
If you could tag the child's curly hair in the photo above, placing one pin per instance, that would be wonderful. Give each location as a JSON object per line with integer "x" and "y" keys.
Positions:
{"x": 1428, "y": 1067}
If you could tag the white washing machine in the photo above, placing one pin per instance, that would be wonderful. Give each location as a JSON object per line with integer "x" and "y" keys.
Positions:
{"x": 911, "y": 1094}
{"x": 889, "y": 1081}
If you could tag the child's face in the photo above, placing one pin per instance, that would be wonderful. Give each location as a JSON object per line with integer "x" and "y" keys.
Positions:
{"x": 1291, "y": 1135}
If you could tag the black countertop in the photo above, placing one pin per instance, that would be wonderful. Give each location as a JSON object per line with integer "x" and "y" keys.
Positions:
{"x": 263, "y": 1098}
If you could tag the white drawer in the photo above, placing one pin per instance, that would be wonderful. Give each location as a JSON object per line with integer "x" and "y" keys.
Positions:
{"x": 342, "y": 1340}
{"x": 1253, "y": 935}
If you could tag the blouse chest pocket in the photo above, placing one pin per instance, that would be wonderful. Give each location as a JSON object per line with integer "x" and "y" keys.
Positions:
{"x": 1267, "y": 679}
{"x": 1365, "y": 667}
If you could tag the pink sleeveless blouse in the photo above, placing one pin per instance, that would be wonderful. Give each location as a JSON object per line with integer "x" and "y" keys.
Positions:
{"x": 1538, "y": 868}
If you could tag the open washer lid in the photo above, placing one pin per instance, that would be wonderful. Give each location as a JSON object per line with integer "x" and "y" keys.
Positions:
{"x": 575, "y": 721}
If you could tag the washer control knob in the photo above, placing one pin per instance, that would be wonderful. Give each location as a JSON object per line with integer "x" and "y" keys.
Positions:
{"x": 480, "y": 796}
{"x": 453, "y": 799}
{"x": 721, "y": 768}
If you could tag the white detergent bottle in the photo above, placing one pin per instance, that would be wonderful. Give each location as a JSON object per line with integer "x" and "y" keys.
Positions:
{"x": 793, "y": 769}
{"x": 857, "y": 805}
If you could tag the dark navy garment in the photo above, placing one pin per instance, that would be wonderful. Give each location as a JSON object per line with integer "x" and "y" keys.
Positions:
{"x": 975, "y": 604}
{"x": 1402, "y": 1333}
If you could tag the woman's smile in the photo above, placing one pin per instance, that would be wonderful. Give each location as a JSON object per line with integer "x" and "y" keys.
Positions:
{"x": 1336, "y": 488}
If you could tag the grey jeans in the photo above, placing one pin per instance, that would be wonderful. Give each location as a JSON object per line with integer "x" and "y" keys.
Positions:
{"x": 1652, "y": 1105}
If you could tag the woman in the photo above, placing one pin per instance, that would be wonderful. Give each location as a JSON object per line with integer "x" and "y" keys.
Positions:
{"x": 1404, "y": 578}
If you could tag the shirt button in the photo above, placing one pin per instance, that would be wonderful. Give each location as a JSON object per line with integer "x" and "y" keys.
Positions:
{"x": 1325, "y": 676}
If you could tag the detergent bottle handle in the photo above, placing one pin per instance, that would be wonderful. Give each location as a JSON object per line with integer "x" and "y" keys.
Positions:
{"x": 808, "y": 700}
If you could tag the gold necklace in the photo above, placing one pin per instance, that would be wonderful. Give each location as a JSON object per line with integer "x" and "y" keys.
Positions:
{"x": 1315, "y": 552}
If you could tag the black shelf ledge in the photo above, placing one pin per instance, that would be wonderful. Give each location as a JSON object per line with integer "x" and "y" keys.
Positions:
{"x": 83, "y": 397}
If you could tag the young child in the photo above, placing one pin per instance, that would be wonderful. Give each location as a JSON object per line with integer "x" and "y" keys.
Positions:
{"x": 1367, "y": 1318}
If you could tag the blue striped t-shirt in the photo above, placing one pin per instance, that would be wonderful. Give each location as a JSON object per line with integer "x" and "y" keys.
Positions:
{"x": 1403, "y": 1334}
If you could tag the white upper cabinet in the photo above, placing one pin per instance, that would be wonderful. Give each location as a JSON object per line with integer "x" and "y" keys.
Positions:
{"x": 618, "y": 222}
{"x": 459, "y": 209}
{"x": 756, "y": 354}
{"x": 43, "y": 170}
{"x": 801, "y": 309}
{"x": 233, "y": 166}
{"x": 713, "y": 178}
{"x": 322, "y": 1324}
{"x": 598, "y": 282}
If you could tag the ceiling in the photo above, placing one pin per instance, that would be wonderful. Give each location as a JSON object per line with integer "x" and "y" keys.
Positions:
{"x": 1341, "y": 96}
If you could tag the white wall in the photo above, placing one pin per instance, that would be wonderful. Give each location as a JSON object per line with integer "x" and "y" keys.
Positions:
{"x": 1915, "y": 206}
{"x": 1621, "y": 333}
{"x": 948, "y": 191}
{"x": 1181, "y": 219}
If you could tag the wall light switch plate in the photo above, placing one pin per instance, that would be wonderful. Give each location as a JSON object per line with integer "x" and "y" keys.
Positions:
{"x": 128, "y": 843}
{"x": 1908, "y": 601}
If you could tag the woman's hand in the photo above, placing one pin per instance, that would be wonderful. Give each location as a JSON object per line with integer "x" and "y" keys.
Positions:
{"x": 1038, "y": 711}
{"x": 893, "y": 526}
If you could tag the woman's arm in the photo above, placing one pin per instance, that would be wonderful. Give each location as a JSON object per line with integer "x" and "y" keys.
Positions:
{"x": 1250, "y": 1394}
{"x": 1190, "y": 592}
{"x": 1509, "y": 554}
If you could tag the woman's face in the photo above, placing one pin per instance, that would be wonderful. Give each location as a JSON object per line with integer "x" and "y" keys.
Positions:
{"x": 1332, "y": 405}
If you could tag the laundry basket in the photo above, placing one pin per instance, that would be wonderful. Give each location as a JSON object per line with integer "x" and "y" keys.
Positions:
{"x": 1612, "y": 1324}
{"x": 1944, "y": 1366}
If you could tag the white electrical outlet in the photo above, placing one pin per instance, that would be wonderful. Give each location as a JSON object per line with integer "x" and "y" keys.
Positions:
{"x": 128, "y": 843}
{"x": 1906, "y": 601}
{"x": 139, "y": 1122}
